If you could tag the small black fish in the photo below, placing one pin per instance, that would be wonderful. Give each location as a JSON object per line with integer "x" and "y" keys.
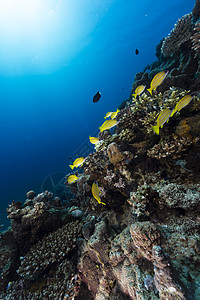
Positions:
{"x": 136, "y": 51}
{"x": 96, "y": 97}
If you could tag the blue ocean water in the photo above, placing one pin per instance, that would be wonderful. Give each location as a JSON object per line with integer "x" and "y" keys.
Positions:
{"x": 51, "y": 66}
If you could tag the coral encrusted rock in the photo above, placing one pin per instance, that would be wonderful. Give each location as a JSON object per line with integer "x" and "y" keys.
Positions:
{"x": 115, "y": 155}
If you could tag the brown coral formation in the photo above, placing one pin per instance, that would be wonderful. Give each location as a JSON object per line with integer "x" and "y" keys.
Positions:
{"x": 53, "y": 248}
{"x": 172, "y": 148}
{"x": 145, "y": 235}
{"x": 179, "y": 35}
{"x": 114, "y": 154}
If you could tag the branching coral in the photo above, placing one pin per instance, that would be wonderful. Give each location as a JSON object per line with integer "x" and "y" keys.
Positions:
{"x": 52, "y": 249}
{"x": 154, "y": 104}
{"x": 171, "y": 148}
{"x": 67, "y": 285}
{"x": 180, "y": 34}
{"x": 139, "y": 200}
{"x": 175, "y": 195}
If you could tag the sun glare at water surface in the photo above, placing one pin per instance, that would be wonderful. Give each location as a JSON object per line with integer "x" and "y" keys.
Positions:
{"x": 41, "y": 36}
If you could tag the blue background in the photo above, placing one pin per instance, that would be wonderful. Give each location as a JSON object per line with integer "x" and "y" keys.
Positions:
{"x": 45, "y": 115}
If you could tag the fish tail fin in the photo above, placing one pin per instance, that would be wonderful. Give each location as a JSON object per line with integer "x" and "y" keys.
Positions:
{"x": 150, "y": 90}
{"x": 134, "y": 95}
{"x": 102, "y": 203}
{"x": 105, "y": 117}
{"x": 156, "y": 129}
{"x": 71, "y": 166}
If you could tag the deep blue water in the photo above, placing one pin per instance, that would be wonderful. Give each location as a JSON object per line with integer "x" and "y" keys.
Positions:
{"x": 47, "y": 113}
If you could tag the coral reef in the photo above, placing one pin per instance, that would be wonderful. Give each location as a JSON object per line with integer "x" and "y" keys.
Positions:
{"x": 35, "y": 218}
{"x": 50, "y": 250}
{"x": 178, "y": 36}
{"x": 145, "y": 242}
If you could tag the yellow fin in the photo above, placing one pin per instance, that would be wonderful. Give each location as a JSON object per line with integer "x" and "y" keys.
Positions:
{"x": 71, "y": 166}
{"x": 101, "y": 203}
{"x": 150, "y": 90}
{"x": 101, "y": 128}
{"x": 156, "y": 129}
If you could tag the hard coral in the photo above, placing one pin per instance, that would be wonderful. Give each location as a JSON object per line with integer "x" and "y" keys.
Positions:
{"x": 50, "y": 250}
{"x": 178, "y": 196}
{"x": 139, "y": 200}
{"x": 171, "y": 148}
{"x": 179, "y": 35}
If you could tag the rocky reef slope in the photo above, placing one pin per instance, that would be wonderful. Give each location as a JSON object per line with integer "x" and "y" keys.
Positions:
{"x": 144, "y": 243}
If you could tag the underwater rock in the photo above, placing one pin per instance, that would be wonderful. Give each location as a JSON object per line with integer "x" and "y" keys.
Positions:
{"x": 189, "y": 127}
{"x": 145, "y": 235}
{"x": 8, "y": 258}
{"x": 30, "y": 195}
{"x": 165, "y": 277}
{"x": 77, "y": 213}
{"x": 88, "y": 229}
{"x": 115, "y": 155}
{"x": 34, "y": 219}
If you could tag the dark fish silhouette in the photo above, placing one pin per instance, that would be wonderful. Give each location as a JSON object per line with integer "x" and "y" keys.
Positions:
{"x": 96, "y": 97}
{"x": 136, "y": 51}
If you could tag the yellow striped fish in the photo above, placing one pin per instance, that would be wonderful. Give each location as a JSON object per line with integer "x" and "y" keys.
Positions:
{"x": 162, "y": 118}
{"x": 114, "y": 114}
{"x": 94, "y": 140}
{"x": 157, "y": 80}
{"x": 72, "y": 178}
{"x": 139, "y": 90}
{"x": 96, "y": 193}
{"x": 108, "y": 114}
{"x": 77, "y": 163}
{"x": 108, "y": 124}
{"x": 182, "y": 103}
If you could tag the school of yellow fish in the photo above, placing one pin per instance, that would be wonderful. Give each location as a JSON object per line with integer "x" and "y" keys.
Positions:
{"x": 162, "y": 118}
